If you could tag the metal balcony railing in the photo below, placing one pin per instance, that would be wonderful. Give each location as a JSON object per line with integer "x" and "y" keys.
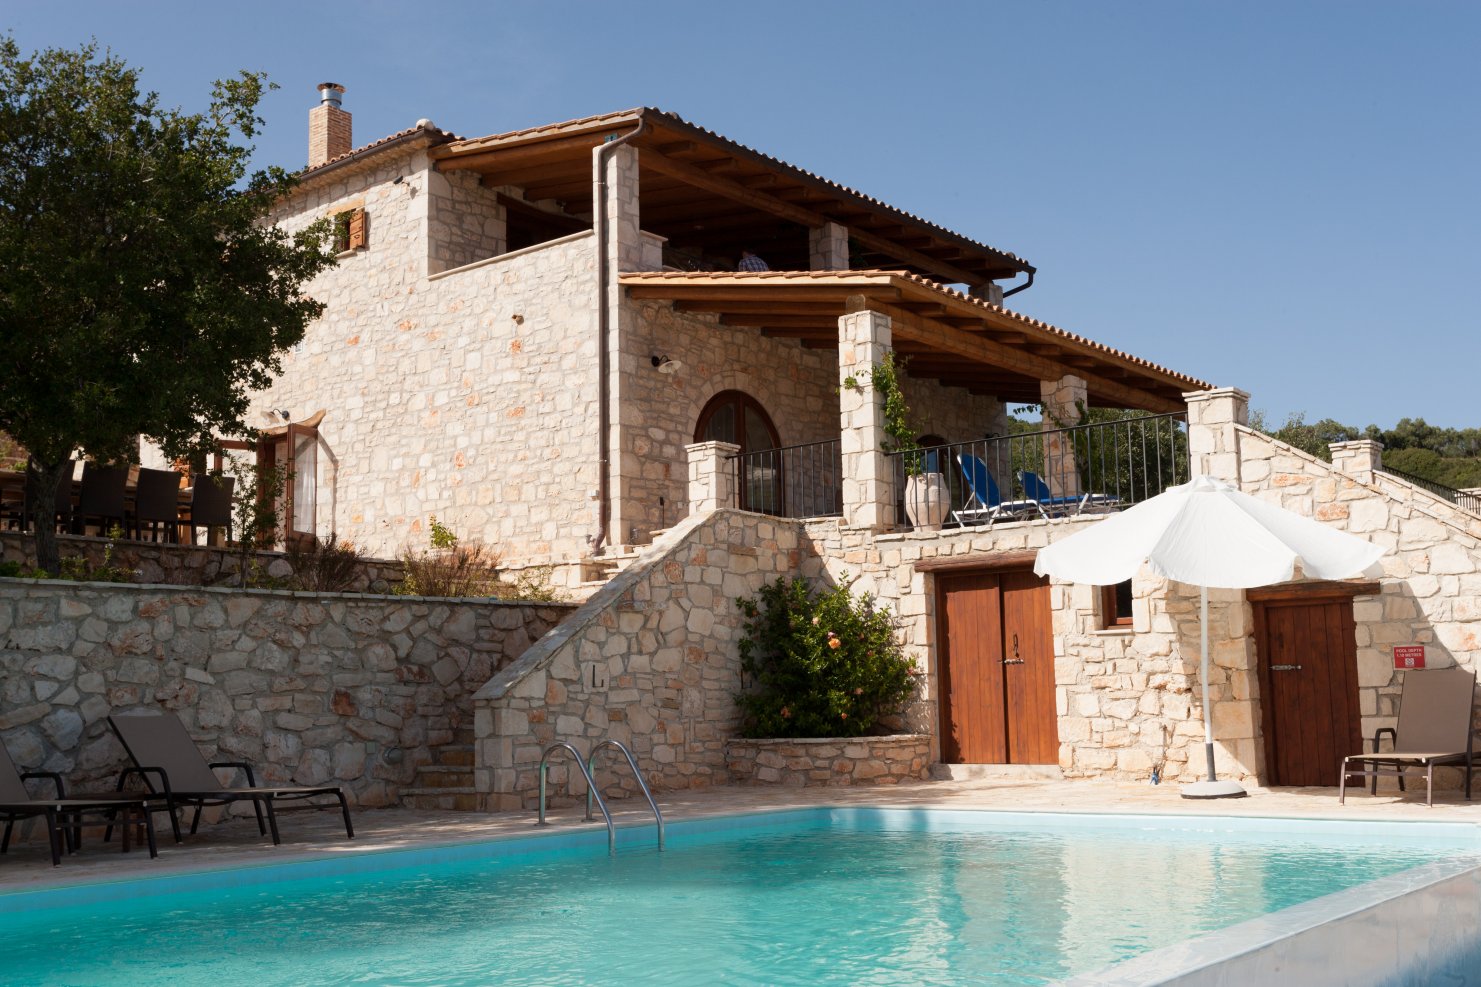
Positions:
{"x": 1056, "y": 472}
{"x": 792, "y": 481}
{"x": 1465, "y": 500}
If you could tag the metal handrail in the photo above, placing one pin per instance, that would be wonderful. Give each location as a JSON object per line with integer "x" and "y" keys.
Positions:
{"x": 590, "y": 789}
{"x": 633, "y": 763}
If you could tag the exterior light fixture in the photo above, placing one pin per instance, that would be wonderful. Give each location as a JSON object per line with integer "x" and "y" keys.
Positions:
{"x": 664, "y": 365}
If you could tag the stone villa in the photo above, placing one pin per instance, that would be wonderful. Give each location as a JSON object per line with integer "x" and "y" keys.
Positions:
{"x": 541, "y": 338}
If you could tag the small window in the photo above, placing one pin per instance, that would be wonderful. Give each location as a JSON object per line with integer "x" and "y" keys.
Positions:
{"x": 1115, "y": 605}
{"x": 349, "y": 230}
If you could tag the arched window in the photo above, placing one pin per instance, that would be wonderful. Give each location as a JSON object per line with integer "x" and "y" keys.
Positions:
{"x": 735, "y": 416}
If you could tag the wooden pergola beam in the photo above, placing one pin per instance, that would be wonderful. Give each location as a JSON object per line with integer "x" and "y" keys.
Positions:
{"x": 778, "y": 206}
{"x": 907, "y": 325}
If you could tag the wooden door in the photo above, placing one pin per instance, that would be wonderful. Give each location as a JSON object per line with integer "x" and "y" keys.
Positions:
{"x": 996, "y": 669}
{"x": 1308, "y": 688}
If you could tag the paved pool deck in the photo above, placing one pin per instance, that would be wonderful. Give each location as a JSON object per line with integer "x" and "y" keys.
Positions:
{"x": 308, "y": 835}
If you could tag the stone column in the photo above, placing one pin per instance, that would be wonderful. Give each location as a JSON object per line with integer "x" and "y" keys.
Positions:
{"x": 711, "y": 476}
{"x": 652, "y": 251}
{"x": 629, "y": 521}
{"x": 1213, "y": 438}
{"x": 1064, "y": 403}
{"x": 1358, "y": 459}
{"x": 828, "y": 247}
{"x": 868, "y": 479}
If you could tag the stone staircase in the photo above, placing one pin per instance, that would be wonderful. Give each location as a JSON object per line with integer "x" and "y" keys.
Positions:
{"x": 446, "y": 783}
{"x": 597, "y": 571}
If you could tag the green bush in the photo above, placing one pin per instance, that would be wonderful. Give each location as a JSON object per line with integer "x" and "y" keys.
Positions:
{"x": 820, "y": 664}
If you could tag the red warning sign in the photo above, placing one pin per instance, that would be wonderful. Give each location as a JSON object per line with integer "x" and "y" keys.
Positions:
{"x": 1408, "y": 656}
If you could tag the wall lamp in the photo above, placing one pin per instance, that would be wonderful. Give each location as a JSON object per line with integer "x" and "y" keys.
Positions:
{"x": 665, "y": 365}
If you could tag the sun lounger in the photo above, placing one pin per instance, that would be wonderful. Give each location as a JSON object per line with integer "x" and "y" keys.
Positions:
{"x": 984, "y": 502}
{"x": 1434, "y": 728}
{"x": 63, "y": 815}
{"x": 1039, "y": 494}
{"x": 170, "y": 763}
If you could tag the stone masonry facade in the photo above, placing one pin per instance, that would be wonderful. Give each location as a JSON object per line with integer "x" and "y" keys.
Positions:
{"x": 311, "y": 689}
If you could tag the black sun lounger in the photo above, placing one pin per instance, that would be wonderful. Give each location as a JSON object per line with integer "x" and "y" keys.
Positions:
{"x": 63, "y": 815}
{"x": 171, "y": 764}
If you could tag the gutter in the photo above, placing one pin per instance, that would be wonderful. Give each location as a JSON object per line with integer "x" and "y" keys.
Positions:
{"x": 1023, "y": 287}
{"x": 604, "y": 321}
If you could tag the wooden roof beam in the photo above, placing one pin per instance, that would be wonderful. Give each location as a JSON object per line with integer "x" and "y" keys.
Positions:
{"x": 504, "y": 157}
{"x": 806, "y": 217}
{"x": 974, "y": 347}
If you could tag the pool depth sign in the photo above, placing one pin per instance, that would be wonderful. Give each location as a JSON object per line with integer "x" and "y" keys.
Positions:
{"x": 1408, "y": 656}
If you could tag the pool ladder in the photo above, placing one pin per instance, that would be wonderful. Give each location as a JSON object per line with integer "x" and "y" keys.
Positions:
{"x": 587, "y": 769}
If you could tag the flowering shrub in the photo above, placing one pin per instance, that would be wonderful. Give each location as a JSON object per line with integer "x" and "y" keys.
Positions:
{"x": 821, "y": 664}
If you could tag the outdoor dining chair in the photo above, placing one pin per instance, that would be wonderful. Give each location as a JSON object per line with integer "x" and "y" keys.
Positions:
{"x": 1435, "y": 708}
{"x": 63, "y": 515}
{"x": 157, "y": 505}
{"x": 210, "y": 504}
{"x": 101, "y": 497}
{"x": 168, "y": 760}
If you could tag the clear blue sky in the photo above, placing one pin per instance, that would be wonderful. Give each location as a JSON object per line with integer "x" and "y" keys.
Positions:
{"x": 1278, "y": 196}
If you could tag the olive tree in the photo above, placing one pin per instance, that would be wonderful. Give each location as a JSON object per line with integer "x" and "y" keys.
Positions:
{"x": 142, "y": 291}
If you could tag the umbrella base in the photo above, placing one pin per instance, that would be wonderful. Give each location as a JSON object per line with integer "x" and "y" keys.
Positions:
{"x": 1213, "y": 790}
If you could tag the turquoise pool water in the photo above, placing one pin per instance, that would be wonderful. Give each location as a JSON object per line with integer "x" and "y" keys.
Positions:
{"x": 809, "y": 898}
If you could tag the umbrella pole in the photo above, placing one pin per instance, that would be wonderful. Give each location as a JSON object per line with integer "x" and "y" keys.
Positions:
{"x": 1208, "y": 712}
{"x": 1213, "y": 788}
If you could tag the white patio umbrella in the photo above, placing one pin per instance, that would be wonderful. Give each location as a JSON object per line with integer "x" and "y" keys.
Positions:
{"x": 1206, "y": 533}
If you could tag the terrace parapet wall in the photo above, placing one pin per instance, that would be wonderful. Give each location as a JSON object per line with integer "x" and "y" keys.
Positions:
{"x": 829, "y": 762}
{"x": 309, "y": 688}
{"x": 189, "y": 565}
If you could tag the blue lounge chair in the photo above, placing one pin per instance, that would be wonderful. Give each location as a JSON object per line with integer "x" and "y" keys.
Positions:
{"x": 1043, "y": 498}
{"x": 984, "y": 502}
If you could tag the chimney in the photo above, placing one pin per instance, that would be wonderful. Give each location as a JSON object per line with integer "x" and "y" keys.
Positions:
{"x": 329, "y": 126}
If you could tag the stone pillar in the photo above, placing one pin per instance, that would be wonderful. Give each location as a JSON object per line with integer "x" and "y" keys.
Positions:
{"x": 828, "y": 247}
{"x": 1213, "y": 436}
{"x": 990, "y": 292}
{"x": 625, "y": 242}
{"x": 1358, "y": 459}
{"x": 868, "y": 479}
{"x": 1064, "y": 403}
{"x": 629, "y": 371}
{"x": 652, "y": 251}
{"x": 711, "y": 476}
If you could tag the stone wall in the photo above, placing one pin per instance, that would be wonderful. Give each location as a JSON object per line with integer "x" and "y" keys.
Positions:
{"x": 650, "y": 660}
{"x": 834, "y": 763}
{"x": 309, "y": 688}
{"x": 1431, "y": 585}
{"x": 188, "y": 565}
{"x": 465, "y": 221}
{"x": 1126, "y": 700}
{"x": 453, "y": 393}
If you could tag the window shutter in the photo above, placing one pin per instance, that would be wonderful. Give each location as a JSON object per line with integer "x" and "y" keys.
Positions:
{"x": 357, "y": 230}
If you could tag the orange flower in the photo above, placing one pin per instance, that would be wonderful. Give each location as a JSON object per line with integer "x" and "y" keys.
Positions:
{"x": 834, "y": 643}
{"x": 843, "y": 716}
{"x": 786, "y": 713}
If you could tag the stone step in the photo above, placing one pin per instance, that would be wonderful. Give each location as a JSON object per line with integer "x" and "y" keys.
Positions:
{"x": 996, "y": 772}
{"x": 443, "y": 777}
{"x": 441, "y": 799}
{"x": 454, "y": 755}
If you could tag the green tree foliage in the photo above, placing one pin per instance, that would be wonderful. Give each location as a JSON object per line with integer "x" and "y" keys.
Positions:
{"x": 1312, "y": 439}
{"x": 141, "y": 290}
{"x": 1448, "y": 456}
{"x": 822, "y": 664}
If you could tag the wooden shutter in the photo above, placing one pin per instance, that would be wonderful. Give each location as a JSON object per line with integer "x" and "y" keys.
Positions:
{"x": 357, "y": 238}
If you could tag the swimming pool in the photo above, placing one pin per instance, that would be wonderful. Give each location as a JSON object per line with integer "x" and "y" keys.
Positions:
{"x": 816, "y": 897}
